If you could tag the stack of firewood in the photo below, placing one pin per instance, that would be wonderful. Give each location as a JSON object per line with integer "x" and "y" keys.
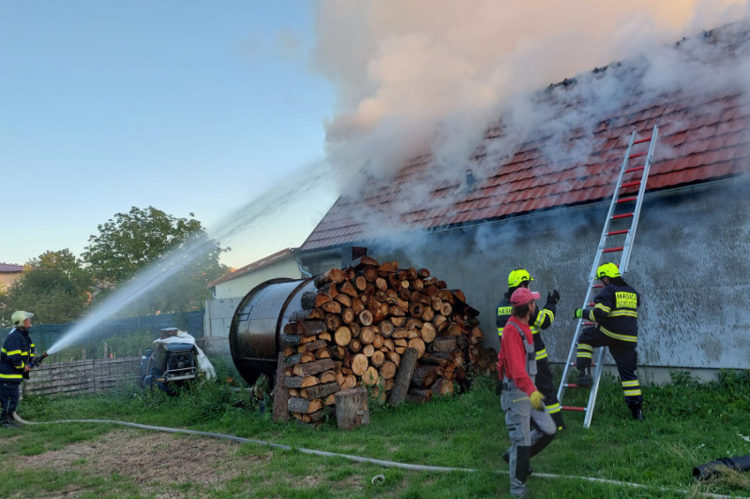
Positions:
{"x": 355, "y": 329}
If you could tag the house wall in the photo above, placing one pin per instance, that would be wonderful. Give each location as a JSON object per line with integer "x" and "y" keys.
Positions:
{"x": 689, "y": 262}
{"x": 7, "y": 279}
{"x": 238, "y": 287}
{"x": 219, "y": 312}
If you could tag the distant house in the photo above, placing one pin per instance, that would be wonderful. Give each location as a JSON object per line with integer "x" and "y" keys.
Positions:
{"x": 231, "y": 288}
{"x": 236, "y": 284}
{"x": 537, "y": 198}
{"x": 9, "y": 273}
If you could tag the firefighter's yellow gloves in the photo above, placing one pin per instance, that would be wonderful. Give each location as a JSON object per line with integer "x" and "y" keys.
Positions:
{"x": 578, "y": 313}
{"x": 536, "y": 398}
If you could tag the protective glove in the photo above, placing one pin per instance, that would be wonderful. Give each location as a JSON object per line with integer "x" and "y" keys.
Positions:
{"x": 536, "y": 398}
{"x": 578, "y": 313}
{"x": 553, "y": 297}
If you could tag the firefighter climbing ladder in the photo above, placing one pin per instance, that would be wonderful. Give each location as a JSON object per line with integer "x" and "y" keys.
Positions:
{"x": 627, "y": 179}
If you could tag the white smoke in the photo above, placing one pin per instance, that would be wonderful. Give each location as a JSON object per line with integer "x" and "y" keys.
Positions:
{"x": 421, "y": 76}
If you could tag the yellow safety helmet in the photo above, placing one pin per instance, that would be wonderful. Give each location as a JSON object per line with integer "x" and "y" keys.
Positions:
{"x": 608, "y": 269}
{"x": 19, "y": 316}
{"x": 516, "y": 277}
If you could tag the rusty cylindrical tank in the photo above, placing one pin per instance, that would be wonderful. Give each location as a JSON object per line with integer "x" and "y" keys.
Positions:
{"x": 258, "y": 321}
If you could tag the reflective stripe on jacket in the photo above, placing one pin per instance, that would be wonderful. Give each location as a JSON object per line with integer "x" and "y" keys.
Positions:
{"x": 16, "y": 353}
{"x": 616, "y": 312}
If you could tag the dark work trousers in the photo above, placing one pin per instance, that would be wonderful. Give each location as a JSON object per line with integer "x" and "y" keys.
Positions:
{"x": 9, "y": 397}
{"x": 546, "y": 385}
{"x": 625, "y": 357}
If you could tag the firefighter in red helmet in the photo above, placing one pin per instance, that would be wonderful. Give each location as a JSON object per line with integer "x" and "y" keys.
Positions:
{"x": 520, "y": 399}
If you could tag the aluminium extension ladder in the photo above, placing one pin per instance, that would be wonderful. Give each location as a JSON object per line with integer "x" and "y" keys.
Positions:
{"x": 613, "y": 218}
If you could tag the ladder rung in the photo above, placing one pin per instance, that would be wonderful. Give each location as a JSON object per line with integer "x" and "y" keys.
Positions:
{"x": 637, "y": 154}
{"x": 612, "y": 250}
{"x": 600, "y": 285}
{"x": 573, "y": 385}
{"x": 622, "y": 215}
{"x": 589, "y": 323}
{"x": 573, "y": 408}
{"x": 641, "y": 141}
{"x": 627, "y": 199}
{"x": 631, "y": 170}
{"x": 593, "y": 364}
{"x": 615, "y": 232}
{"x": 630, "y": 184}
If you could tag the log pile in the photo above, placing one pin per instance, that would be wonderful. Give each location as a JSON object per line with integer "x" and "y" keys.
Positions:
{"x": 354, "y": 330}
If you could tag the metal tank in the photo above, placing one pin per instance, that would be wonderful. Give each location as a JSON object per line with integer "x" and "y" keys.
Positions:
{"x": 259, "y": 320}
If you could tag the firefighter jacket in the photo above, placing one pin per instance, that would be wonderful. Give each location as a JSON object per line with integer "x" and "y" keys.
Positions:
{"x": 516, "y": 358}
{"x": 540, "y": 319}
{"x": 615, "y": 312}
{"x": 16, "y": 354}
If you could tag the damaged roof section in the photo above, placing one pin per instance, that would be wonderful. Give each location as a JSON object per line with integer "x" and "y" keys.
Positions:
{"x": 574, "y": 153}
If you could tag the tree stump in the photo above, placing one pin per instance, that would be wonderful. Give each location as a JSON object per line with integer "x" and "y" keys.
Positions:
{"x": 351, "y": 408}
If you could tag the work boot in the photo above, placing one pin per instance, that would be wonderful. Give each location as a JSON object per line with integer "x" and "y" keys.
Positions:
{"x": 7, "y": 421}
{"x": 584, "y": 377}
{"x": 637, "y": 411}
{"x": 558, "y": 419}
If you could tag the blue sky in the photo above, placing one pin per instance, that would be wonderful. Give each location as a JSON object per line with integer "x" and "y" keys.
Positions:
{"x": 187, "y": 106}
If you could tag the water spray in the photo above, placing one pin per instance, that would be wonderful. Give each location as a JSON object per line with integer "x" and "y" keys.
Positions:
{"x": 307, "y": 179}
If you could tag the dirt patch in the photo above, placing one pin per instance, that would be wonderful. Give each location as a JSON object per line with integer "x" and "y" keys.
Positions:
{"x": 152, "y": 458}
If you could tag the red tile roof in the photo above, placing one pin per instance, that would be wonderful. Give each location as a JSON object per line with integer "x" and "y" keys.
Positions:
{"x": 702, "y": 136}
{"x": 259, "y": 264}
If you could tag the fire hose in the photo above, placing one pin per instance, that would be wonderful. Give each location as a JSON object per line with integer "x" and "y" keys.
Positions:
{"x": 380, "y": 462}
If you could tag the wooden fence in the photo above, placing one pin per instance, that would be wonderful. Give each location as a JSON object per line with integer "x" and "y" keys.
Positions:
{"x": 82, "y": 376}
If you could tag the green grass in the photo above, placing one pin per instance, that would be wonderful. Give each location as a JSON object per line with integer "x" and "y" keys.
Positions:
{"x": 687, "y": 424}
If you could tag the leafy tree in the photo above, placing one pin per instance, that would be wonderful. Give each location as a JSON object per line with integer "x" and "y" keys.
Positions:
{"x": 54, "y": 286}
{"x": 150, "y": 240}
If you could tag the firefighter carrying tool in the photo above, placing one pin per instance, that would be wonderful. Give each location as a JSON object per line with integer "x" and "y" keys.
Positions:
{"x": 16, "y": 359}
{"x": 540, "y": 319}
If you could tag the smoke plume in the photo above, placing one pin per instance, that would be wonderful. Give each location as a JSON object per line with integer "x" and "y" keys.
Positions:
{"x": 432, "y": 76}
{"x": 420, "y": 75}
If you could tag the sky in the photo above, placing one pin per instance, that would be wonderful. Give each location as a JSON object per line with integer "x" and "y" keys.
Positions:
{"x": 253, "y": 115}
{"x": 190, "y": 107}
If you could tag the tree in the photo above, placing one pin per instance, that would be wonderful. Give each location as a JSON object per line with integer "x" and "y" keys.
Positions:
{"x": 54, "y": 286}
{"x": 147, "y": 240}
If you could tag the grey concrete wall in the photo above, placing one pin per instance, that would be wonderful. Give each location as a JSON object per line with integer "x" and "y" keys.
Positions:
{"x": 218, "y": 316}
{"x": 689, "y": 261}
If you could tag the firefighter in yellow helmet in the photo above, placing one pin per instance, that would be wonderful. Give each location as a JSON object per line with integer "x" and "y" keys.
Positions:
{"x": 541, "y": 319}
{"x": 615, "y": 313}
{"x": 15, "y": 363}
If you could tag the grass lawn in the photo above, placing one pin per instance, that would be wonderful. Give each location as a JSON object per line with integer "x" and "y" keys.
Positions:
{"x": 687, "y": 424}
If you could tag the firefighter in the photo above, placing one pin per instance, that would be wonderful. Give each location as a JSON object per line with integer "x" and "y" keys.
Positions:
{"x": 541, "y": 319}
{"x": 15, "y": 361}
{"x": 520, "y": 399}
{"x": 615, "y": 312}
